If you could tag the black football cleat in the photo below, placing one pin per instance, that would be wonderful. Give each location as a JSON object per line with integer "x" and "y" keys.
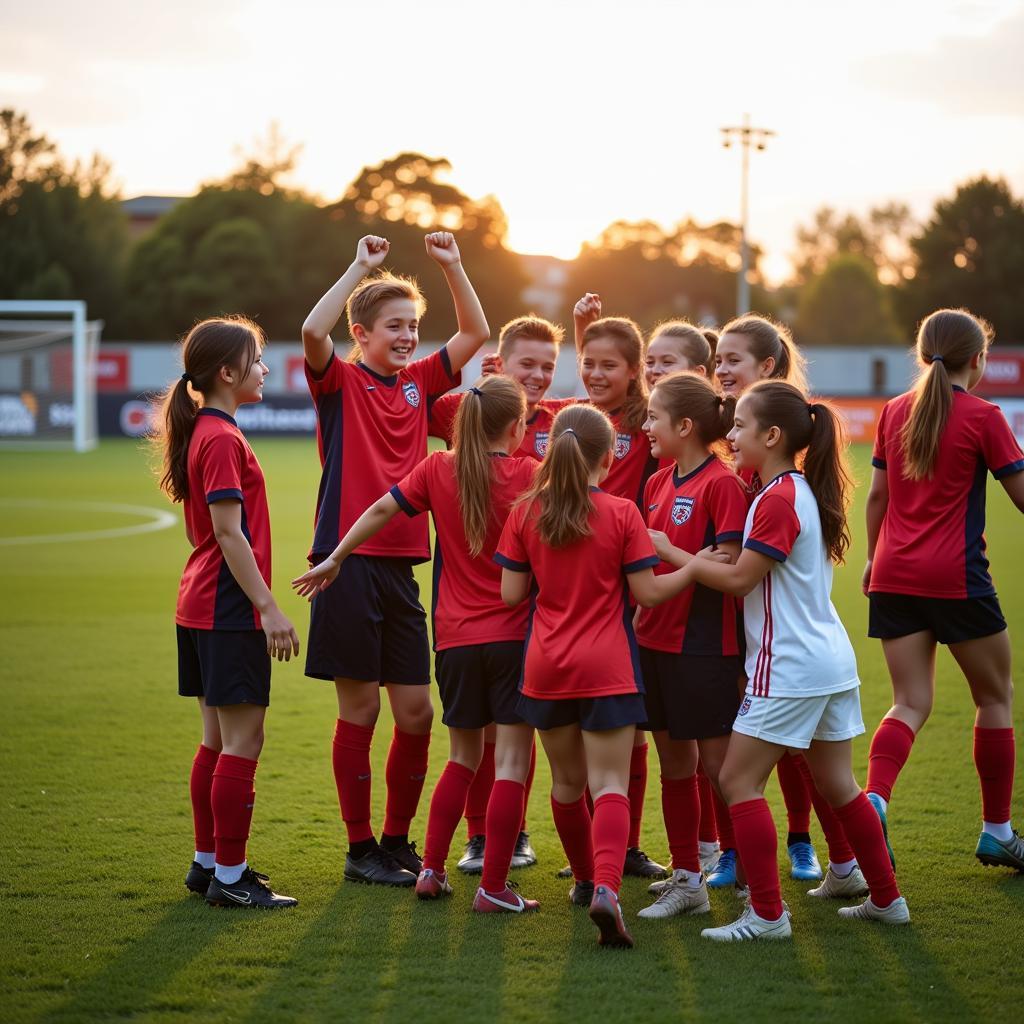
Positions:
{"x": 251, "y": 890}
{"x": 406, "y": 857}
{"x": 523, "y": 856}
{"x": 377, "y": 868}
{"x": 606, "y": 913}
{"x": 581, "y": 894}
{"x": 198, "y": 878}
{"x": 472, "y": 861}
{"x": 639, "y": 865}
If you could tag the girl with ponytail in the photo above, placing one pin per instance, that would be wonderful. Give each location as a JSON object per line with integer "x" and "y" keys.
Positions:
{"x": 678, "y": 345}
{"x": 478, "y": 640}
{"x": 802, "y": 688}
{"x": 228, "y": 624}
{"x": 581, "y": 685}
{"x": 927, "y": 577}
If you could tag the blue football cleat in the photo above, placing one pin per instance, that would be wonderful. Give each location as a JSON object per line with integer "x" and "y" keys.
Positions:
{"x": 995, "y": 853}
{"x": 876, "y": 802}
{"x": 724, "y": 873}
{"x": 804, "y": 863}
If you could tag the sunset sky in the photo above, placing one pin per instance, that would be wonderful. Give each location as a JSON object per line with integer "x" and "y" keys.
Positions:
{"x": 572, "y": 113}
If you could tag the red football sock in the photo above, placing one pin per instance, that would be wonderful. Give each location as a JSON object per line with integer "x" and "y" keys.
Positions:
{"x": 680, "y": 805}
{"x": 590, "y": 801}
{"x": 637, "y": 792}
{"x": 352, "y": 777}
{"x": 504, "y": 816}
{"x": 794, "y": 792}
{"x": 405, "y": 773}
{"x": 611, "y": 832}
{"x": 479, "y": 794}
{"x": 994, "y": 754}
{"x": 890, "y": 748}
{"x": 446, "y": 809}
{"x": 839, "y": 849}
{"x": 528, "y": 785}
{"x": 726, "y": 836}
{"x": 864, "y": 831}
{"x": 708, "y": 828}
{"x": 199, "y": 784}
{"x": 232, "y": 797}
{"x": 573, "y": 825}
{"x": 758, "y": 845}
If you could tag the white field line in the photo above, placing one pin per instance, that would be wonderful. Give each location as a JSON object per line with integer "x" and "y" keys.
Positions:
{"x": 156, "y": 519}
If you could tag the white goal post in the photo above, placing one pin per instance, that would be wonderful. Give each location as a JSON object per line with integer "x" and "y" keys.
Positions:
{"x": 48, "y": 374}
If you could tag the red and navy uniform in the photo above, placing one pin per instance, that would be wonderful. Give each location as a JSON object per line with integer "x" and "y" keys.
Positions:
{"x": 707, "y": 506}
{"x": 580, "y": 642}
{"x": 371, "y": 431}
{"x": 221, "y": 466}
{"x": 467, "y": 604}
{"x": 931, "y": 543}
{"x": 633, "y": 464}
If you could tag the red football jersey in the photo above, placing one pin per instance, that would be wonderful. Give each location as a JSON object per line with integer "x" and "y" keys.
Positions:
{"x": 372, "y": 431}
{"x": 580, "y": 641}
{"x": 221, "y": 466}
{"x": 707, "y": 506}
{"x": 932, "y": 540}
{"x": 632, "y": 466}
{"x": 467, "y": 606}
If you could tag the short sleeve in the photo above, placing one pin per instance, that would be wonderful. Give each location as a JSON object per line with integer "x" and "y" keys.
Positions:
{"x": 878, "y": 452}
{"x": 637, "y": 548}
{"x": 648, "y": 501}
{"x": 220, "y": 467}
{"x": 412, "y": 492}
{"x": 329, "y": 380}
{"x": 511, "y": 551}
{"x": 1002, "y": 453}
{"x": 442, "y": 417}
{"x": 434, "y": 374}
{"x": 775, "y": 527}
{"x": 727, "y": 505}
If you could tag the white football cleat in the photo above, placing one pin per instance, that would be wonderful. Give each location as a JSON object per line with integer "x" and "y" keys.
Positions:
{"x": 896, "y": 913}
{"x": 679, "y": 897}
{"x": 749, "y": 926}
{"x": 841, "y": 887}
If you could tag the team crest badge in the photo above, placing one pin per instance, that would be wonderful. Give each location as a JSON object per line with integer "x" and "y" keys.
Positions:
{"x": 622, "y": 445}
{"x": 412, "y": 393}
{"x": 540, "y": 443}
{"x": 681, "y": 509}
{"x": 745, "y": 706}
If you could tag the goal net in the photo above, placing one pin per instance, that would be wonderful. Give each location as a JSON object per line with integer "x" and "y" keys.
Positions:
{"x": 47, "y": 375}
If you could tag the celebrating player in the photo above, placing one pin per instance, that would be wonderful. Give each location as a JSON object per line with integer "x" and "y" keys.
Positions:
{"x": 678, "y": 345}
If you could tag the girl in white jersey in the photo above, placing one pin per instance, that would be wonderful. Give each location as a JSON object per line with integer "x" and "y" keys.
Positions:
{"x": 802, "y": 689}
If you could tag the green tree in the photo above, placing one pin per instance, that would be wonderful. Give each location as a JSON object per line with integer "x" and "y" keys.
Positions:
{"x": 846, "y": 305}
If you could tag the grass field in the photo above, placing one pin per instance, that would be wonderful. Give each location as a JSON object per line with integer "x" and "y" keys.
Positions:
{"x": 95, "y": 749}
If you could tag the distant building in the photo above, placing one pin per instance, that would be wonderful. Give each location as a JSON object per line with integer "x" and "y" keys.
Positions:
{"x": 144, "y": 211}
{"x": 545, "y": 293}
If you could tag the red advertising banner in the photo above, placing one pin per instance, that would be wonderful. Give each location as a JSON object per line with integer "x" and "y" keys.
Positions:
{"x": 1004, "y": 373}
{"x": 112, "y": 370}
{"x": 861, "y": 415}
{"x": 295, "y": 373}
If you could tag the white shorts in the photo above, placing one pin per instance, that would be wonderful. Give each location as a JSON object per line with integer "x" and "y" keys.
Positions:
{"x": 795, "y": 721}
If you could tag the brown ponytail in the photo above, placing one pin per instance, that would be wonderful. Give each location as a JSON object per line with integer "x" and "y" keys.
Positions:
{"x": 768, "y": 339}
{"x": 816, "y": 429}
{"x": 947, "y": 341}
{"x": 486, "y": 411}
{"x": 688, "y": 395}
{"x": 697, "y": 344}
{"x": 580, "y": 437}
{"x": 629, "y": 343}
{"x": 222, "y": 341}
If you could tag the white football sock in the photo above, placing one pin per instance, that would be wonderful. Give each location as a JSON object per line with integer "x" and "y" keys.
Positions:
{"x": 843, "y": 867}
{"x": 1002, "y": 831}
{"x": 204, "y": 860}
{"x": 229, "y": 874}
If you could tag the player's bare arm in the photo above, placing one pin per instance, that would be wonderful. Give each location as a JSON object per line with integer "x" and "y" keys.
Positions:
{"x": 469, "y": 314}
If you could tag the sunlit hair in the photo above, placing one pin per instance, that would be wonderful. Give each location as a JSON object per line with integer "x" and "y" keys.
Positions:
{"x": 688, "y": 395}
{"x": 947, "y": 341}
{"x": 363, "y": 306}
{"x": 580, "y": 437}
{"x": 485, "y": 413}
{"x": 231, "y": 341}
{"x": 696, "y": 344}
{"x": 629, "y": 343}
{"x": 815, "y": 429}
{"x": 768, "y": 339}
{"x": 528, "y": 328}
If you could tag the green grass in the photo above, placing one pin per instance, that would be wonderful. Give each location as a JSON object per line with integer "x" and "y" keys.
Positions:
{"x": 96, "y": 829}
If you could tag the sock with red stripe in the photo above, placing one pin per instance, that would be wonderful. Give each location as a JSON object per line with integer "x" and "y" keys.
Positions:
{"x": 637, "y": 792}
{"x": 504, "y": 816}
{"x": 611, "y": 833}
{"x": 794, "y": 792}
{"x": 446, "y": 808}
{"x": 351, "y": 758}
{"x": 528, "y": 785}
{"x": 864, "y": 831}
{"x": 890, "y": 748}
{"x": 199, "y": 785}
{"x": 994, "y": 755}
{"x": 405, "y": 773}
{"x": 232, "y": 797}
{"x": 680, "y": 805}
{"x": 839, "y": 849}
{"x": 573, "y": 825}
{"x": 757, "y": 843}
{"x": 708, "y": 828}
{"x": 726, "y": 836}
{"x": 479, "y": 794}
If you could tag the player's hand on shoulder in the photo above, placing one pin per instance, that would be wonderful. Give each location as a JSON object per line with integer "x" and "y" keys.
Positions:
{"x": 372, "y": 251}
{"x": 282, "y": 640}
{"x": 491, "y": 364}
{"x": 442, "y": 248}
{"x": 587, "y": 310}
{"x": 320, "y": 577}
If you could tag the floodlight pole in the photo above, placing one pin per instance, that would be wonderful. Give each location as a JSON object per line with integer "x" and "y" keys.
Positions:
{"x": 747, "y": 136}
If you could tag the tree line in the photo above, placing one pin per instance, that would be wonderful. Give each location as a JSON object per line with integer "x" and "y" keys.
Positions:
{"x": 249, "y": 243}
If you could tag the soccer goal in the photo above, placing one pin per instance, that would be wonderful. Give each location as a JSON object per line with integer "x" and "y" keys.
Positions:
{"x": 47, "y": 375}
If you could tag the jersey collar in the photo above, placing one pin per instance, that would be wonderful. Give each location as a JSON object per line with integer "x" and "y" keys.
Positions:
{"x": 219, "y": 414}
{"x": 779, "y": 476}
{"x": 389, "y": 381}
{"x": 957, "y": 387}
{"x": 680, "y": 480}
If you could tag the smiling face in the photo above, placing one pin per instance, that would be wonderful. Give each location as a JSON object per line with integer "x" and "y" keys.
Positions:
{"x": 736, "y": 368}
{"x": 606, "y": 374}
{"x": 664, "y": 355}
{"x": 665, "y": 436}
{"x": 388, "y": 345}
{"x": 250, "y": 387}
{"x": 532, "y": 363}
{"x": 750, "y": 442}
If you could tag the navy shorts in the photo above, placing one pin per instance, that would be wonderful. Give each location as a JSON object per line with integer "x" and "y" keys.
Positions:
{"x": 224, "y": 666}
{"x": 691, "y": 696}
{"x": 369, "y": 625}
{"x": 479, "y": 684}
{"x": 591, "y": 714}
{"x": 949, "y": 620}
